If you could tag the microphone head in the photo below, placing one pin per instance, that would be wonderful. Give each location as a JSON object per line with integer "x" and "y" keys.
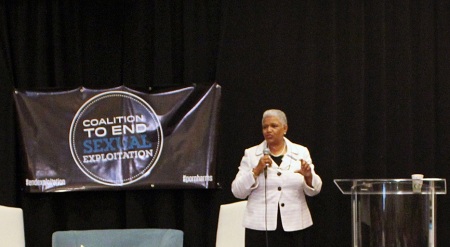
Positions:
{"x": 266, "y": 151}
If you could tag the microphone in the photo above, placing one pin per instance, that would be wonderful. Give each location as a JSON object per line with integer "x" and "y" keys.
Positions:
{"x": 266, "y": 152}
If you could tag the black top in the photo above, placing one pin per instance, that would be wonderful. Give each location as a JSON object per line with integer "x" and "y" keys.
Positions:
{"x": 277, "y": 159}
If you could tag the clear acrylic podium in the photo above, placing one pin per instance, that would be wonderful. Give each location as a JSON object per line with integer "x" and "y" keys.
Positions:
{"x": 391, "y": 213}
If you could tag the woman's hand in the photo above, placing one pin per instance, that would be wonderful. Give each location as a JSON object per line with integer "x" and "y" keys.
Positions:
{"x": 263, "y": 162}
{"x": 305, "y": 170}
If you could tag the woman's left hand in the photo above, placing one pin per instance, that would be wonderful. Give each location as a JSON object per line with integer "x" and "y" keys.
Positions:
{"x": 305, "y": 170}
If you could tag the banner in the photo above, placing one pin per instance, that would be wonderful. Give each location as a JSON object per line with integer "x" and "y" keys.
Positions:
{"x": 118, "y": 138}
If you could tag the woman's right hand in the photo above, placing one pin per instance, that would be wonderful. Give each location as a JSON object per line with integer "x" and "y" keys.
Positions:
{"x": 263, "y": 162}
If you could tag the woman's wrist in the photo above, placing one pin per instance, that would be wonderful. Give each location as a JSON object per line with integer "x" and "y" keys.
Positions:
{"x": 255, "y": 175}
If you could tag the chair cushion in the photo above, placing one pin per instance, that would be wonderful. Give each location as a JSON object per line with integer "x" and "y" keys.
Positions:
{"x": 230, "y": 232}
{"x": 11, "y": 227}
{"x": 119, "y": 238}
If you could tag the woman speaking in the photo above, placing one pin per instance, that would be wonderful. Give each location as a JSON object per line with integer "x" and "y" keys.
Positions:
{"x": 275, "y": 176}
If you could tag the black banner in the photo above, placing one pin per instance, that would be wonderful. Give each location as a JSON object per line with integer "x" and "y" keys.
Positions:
{"x": 119, "y": 138}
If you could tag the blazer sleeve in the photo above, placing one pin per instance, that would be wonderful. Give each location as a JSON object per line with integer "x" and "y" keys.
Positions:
{"x": 244, "y": 182}
{"x": 316, "y": 184}
{"x": 316, "y": 181}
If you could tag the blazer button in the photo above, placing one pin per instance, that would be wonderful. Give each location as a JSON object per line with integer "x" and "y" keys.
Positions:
{"x": 279, "y": 188}
{"x": 282, "y": 204}
{"x": 279, "y": 173}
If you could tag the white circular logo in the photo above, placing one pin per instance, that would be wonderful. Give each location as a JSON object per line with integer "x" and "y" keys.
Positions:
{"x": 116, "y": 138}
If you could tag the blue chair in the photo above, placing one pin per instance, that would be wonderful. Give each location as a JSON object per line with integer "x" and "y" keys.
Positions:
{"x": 118, "y": 238}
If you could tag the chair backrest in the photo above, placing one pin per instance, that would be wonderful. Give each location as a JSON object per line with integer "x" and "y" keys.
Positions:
{"x": 118, "y": 238}
{"x": 12, "y": 232}
{"x": 230, "y": 232}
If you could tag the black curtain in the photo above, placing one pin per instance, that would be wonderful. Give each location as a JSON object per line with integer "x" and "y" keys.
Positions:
{"x": 364, "y": 84}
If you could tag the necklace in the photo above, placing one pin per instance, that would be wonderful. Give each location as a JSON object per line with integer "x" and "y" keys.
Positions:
{"x": 280, "y": 154}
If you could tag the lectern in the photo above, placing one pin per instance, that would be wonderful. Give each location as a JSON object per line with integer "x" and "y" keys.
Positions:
{"x": 393, "y": 212}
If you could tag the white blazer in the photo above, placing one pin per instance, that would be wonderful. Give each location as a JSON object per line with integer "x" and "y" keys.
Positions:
{"x": 285, "y": 189}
